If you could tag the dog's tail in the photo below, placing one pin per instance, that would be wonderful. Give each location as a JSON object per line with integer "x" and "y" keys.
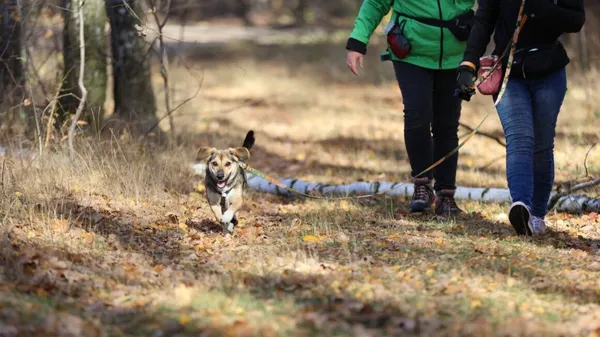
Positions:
{"x": 249, "y": 140}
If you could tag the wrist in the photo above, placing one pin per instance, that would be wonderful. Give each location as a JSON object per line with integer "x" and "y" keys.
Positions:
{"x": 356, "y": 45}
{"x": 468, "y": 64}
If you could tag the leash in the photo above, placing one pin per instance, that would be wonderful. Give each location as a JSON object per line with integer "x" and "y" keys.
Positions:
{"x": 521, "y": 19}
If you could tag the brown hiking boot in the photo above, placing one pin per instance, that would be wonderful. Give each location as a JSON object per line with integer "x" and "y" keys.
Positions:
{"x": 445, "y": 203}
{"x": 423, "y": 196}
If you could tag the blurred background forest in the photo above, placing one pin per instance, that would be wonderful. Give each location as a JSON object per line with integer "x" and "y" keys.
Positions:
{"x": 128, "y": 61}
{"x": 105, "y": 229}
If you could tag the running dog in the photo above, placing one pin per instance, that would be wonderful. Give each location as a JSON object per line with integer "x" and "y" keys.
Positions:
{"x": 225, "y": 180}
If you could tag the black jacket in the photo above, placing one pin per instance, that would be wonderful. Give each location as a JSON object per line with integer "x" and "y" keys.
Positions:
{"x": 547, "y": 20}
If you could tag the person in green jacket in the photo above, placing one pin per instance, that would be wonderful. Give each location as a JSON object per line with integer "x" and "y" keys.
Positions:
{"x": 426, "y": 40}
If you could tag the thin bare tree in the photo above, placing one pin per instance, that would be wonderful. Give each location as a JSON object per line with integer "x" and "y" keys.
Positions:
{"x": 80, "y": 83}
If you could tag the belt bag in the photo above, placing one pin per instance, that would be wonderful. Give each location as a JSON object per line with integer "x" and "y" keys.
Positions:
{"x": 534, "y": 59}
{"x": 460, "y": 26}
{"x": 397, "y": 42}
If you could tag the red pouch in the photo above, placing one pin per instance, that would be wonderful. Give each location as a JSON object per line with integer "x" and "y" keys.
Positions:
{"x": 491, "y": 84}
{"x": 398, "y": 43}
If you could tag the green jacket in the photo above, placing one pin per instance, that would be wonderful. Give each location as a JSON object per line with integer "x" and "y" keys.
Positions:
{"x": 432, "y": 47}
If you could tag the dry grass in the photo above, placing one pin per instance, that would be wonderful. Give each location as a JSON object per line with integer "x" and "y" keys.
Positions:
{"x": 124, "y": 243}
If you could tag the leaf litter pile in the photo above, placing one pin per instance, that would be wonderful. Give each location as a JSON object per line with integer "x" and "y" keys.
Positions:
{"x": 126, "y": 245}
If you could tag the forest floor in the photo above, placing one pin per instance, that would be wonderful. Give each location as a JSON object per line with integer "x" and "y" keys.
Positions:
{"x": 125, "y": 245}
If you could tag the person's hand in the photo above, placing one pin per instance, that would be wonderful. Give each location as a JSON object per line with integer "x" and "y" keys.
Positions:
{"x": 352, "y": 59}
{"x": 464, "y": 82}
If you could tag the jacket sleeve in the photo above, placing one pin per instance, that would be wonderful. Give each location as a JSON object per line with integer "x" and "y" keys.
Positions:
{"x": 568, "y": 16}
{"x": 481, "y": 32}
{"x": 369, "y": 16}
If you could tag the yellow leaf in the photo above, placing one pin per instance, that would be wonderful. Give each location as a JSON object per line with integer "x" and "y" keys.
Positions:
{"x": 475, "y": 304}
{"x": 200, "y": 188}
{"x": 158, "y": 268}
{"x": 429, "y": 272}
{"x": 18, "y": 194}
{"x": 183, "y": 226}
{"x": 344, "y": 205}
{"x": 393, "y": 236}
{"x": 184, "y": 319}
{"x": 41, "y": 292}
{"x": 75, "y": 188}
{"x": 195, "y": 196}
{"x": 310, "y": 238}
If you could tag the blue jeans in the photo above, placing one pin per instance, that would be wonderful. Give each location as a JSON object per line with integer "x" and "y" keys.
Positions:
{"x": 528, "y": 113}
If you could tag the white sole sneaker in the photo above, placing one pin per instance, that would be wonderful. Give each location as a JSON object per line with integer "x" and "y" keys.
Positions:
{"x": 520, "y": 218}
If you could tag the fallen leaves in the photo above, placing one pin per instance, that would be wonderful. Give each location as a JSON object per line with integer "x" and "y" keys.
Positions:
{"x": 184, "y": 319}
{"x": 359, "y": 265}
{"x": 310, "y": 238}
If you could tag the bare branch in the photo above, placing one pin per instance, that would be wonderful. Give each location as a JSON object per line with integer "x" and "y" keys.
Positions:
{"x": 484, "y": 134}
{"x": 177, "y": 107}
{"x": 163, "y": 63}
{"x": 554, "y": 200}
{"x": 52, "y": 112}
{"x": 587, "y": 174}
{"x": 84, "y": 92}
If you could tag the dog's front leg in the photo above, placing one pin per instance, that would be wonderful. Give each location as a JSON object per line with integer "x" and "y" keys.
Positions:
{"x": 214, "y": 201}
{"x": 234, "y": 201}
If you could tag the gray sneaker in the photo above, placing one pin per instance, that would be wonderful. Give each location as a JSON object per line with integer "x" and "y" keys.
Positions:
{"x": 520, "y": 218}
{"x": 538, "y": 225}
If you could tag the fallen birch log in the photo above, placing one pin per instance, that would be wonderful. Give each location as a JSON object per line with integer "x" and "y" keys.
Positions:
{"x": 565, "y": 204}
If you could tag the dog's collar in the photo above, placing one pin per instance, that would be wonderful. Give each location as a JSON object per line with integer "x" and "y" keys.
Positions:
{"x": 224, "y": 193}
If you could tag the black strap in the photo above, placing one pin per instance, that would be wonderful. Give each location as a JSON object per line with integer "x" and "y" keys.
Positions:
{"x": 429, "y": 21}
{"x": 438, "y": 22}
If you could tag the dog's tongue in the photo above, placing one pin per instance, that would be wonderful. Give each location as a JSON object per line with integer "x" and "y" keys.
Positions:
{"x": 221, "y": 184}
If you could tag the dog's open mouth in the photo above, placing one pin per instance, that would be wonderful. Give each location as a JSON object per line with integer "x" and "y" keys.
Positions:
{"x": 221, "y": 183}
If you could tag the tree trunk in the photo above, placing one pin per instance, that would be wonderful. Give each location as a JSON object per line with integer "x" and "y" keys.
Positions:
{"x": 300, "y": 12}
{"x": 243, "y": 11}
{"x": 95, "y": 60}
{"x": 11, "y": 64}
{"x": 565, "y": 204}
{"x": 134, "y": 98}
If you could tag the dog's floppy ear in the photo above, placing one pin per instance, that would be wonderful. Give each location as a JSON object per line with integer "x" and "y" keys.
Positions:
{"x": 241, "y": 153}
{"x": 204, "y": 153}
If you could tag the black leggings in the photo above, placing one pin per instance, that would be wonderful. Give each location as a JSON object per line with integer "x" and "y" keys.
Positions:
{"x": 430, "y": 108}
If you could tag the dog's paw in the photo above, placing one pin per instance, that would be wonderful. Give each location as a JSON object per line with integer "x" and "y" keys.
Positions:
{"x": 227, "y": 227}
{"x": 227, "y": 216}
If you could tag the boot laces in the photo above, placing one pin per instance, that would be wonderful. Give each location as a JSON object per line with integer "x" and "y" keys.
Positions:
{"x": 422, "y": 193}
{"x": 449, "y": 203}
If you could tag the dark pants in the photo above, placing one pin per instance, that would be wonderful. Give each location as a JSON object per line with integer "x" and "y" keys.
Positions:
{"x": 431, "y": 114}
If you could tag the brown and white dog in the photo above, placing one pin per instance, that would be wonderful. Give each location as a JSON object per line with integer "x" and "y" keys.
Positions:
{"x": 225, "y": 180}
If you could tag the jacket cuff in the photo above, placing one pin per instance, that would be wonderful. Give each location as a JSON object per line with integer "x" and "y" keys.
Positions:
{"x": 357, "y": 46}
{"x": 473, "y": 60}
